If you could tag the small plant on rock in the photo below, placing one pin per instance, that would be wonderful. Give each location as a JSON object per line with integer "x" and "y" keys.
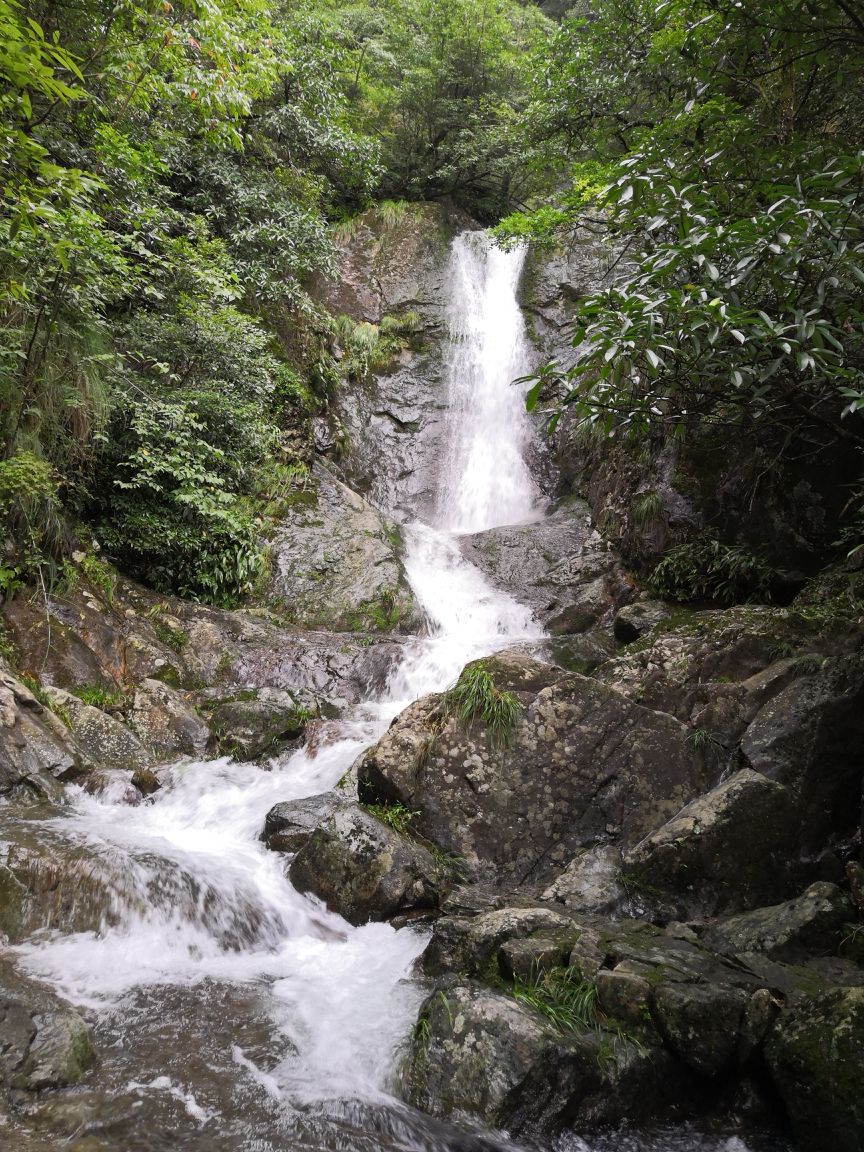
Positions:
{"x": 474, "y": 697}
{"x": 560, "y": 995}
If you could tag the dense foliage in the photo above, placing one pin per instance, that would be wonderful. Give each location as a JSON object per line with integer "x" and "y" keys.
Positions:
{"x": 171, "y": 172}
{"x": 718, "y": 145}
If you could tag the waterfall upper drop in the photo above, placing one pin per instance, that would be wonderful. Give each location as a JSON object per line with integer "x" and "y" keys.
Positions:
{"x": 485, "y": 480}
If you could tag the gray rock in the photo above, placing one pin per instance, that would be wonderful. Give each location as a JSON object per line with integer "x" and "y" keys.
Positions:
{"x": 362, "y": 868}
{"x": 726, "y": 850}
{"x": 484, "y": 1054}
{"x": 289, "y": 825}
{"x": 102, "y": 740}
{"x": 530, "y": 958}
{"x": 336, "y": 564}
{"x": 470, "y": 944}
{"x": 559, "y": 566}
{"x": 35, "y": 746}
{"x": 634, "y": 620}
{"x": 44, "y": 1043}
{"x": 701, "y": 1023}
{"x": 809, "y": 737}
{"x": 811, "y": 923}
{"x": 591, "y": 882}
{"x": 815, "y": 1056}
{"x": 624, "y": 993}
{"x": 251, "y": 724}
{"x": 166, "y": 722}
{"x": 583, "y": 762}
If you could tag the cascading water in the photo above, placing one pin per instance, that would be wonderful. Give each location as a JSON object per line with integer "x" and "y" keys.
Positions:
{"x": 230, "y": 1008}
{"x": 486, "y": 481}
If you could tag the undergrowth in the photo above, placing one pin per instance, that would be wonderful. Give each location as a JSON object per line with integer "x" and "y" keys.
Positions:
{"x": 566, "y": 1000}
{"x": 705, "y": 569}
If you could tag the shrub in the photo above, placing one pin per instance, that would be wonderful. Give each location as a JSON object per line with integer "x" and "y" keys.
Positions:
{"x": 705, "y": 569}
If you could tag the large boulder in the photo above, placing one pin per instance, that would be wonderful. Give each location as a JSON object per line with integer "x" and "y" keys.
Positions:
{"x": 591, "y": 882}
{"x": 45, "y": 1044}
{"x": 560, "y": 566}
{"x": 809, "y": 737}
{"x": 812, "y": 923}
{"x": 725, "y": 851}
{"x": 815, "y": 1056}
{"x": 250, "y": 724}
{"x": 35, "y": 746}
{"x": 166, "y": 721}
{"x": 484, "y": 1054}
{"x": 361, "y": 867}
{"x": 581, "y": 764}
{"x": 336, "y": 564}
{"x": 101, "y": 738}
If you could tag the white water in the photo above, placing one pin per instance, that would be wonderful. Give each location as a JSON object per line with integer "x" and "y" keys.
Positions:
{"x": 198, "y": 896}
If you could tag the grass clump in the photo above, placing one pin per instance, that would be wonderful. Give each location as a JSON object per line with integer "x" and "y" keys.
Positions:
{"x": 475, "y": 698}
{"x": 567, "y": 1001}
{"x": 97, "y": 696}
{"x": 647, "y": 508}
{"x": 396, "y": 816}
{"x": 100, "y": 576}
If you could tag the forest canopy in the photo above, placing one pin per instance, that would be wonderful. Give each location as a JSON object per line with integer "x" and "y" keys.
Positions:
{"x": 173, "y": 174}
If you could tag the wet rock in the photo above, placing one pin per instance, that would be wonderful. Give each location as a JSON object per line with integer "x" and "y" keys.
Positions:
{"x": 582, "y": 763}
{"x": 252, "y": 724}
{"x": 102, "y": 739}
{"x": 44, "y": 1043}
{"x": 336, "y": 564}
{"x": 363, "y": 869}
{"x": 815, "y": 1056}
{"x": 166, "y": 722}
{"x": 472, "y": 944}
{"x": 634, "y": 620}
{"x": 591, "y": 882}
{"x": 726, "y": 850}
{"x": 701, "y": 1023}
{"x": 624, "y": 993}
{"x": 809, "y": 737}
{"x": 393, "y": 419}
{"x": 811, "y": 923}
{"x": 473, "y": 1048}
{"x": 289, "y": 825}
{"x": 484, "y": 1054}
{"x": 559, "y": 566}
{"x": 35, "y": 747}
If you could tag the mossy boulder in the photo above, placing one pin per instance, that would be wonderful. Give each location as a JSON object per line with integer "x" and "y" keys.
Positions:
{"x": 815, "y": 1056}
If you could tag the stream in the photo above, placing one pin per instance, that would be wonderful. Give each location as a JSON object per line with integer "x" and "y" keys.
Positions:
{"x": 229, "y": 1011}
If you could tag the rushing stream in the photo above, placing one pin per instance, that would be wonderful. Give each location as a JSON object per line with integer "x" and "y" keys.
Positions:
{"x": 230, "y": 1011}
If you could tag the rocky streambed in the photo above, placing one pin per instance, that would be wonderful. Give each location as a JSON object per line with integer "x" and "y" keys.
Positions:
{"x": 461, "y": 840}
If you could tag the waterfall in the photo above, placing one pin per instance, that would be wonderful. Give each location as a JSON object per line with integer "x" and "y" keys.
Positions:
{"x": 485, "y": 480}
{"x": 337, "y": 999}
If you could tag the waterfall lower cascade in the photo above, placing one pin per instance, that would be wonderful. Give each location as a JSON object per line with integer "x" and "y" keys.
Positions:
{"x": 232, "y": 1013}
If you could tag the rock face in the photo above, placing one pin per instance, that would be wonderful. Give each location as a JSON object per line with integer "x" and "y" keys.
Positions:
{"x": 560, "y": 566}
{"x": 335, "y": 564}
{"x": 45, "y": 1044}
{"x": 391, "y": 421}
{"x": 35, "y": 748}
{"x": 816, "y": 1059}
{"x": 727, "y": 849}
{"x": 811, "y": 923}
{"x": 582, "y": 763}
{"x": 358, "y": 865}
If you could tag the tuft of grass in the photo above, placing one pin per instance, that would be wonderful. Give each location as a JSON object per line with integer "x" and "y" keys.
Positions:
{"x": 396, "y": 816}
{"x": 97, "y": 696}
{"x": 475, "y": 698}
{"x": 646, "y": 508}
{"x": 100, "y": 576}
{"x": 36, "y": 689}
{"x": 567, "y": 1001}
{"x": 701, "y": 738}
